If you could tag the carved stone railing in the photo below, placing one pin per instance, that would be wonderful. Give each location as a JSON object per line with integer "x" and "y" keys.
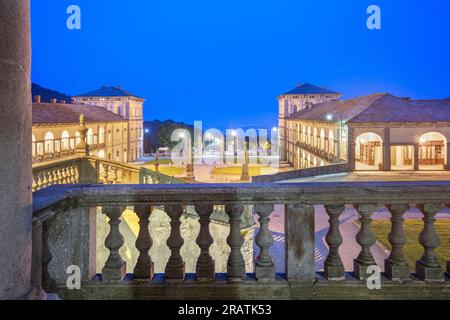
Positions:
{"x": 65, "y": 171}
{"x": 90, "y": 169}
{"x": 74, "y": 206}
{"x": 320, "y": 153}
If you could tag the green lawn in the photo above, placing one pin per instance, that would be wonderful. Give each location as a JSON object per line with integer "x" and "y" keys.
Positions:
{"x": 413, "y": 250}
{"x": 236, "y": 171}
{"x": 161, "y": 161}
{"x": 170, "y": 171}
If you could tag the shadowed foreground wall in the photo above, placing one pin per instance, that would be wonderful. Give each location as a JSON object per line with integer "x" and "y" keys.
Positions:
{"x": 15, "y": 157}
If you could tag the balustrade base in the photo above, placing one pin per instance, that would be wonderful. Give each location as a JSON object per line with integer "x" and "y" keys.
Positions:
{"x": 206, "y": 273}
{"x": 397, "y": 273}
{"x": 114, "y": 274}
{"x": 145, "y": 273}
{"x": 175, "y": 274}
{"x": 265, "y": 274}
{"x": 432, "y": 274}
{"x": 360, "y": 270}
{"x": 220, "y": 289}
{"x": 335, "y": 273}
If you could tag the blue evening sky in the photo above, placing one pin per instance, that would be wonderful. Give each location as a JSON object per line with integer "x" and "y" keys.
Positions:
{"x": 226, "y": 61}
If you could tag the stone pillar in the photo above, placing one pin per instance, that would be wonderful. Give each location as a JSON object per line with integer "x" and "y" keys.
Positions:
{"x": 337, "y": 144}
{"x": 387, "y": 149}
{"x": 351, "y": 149}
{"x": 82, "y": 147}
{"x": 299, "y": 243}
{"x": 15, "y": 159}
{"x": 416, "y": 157}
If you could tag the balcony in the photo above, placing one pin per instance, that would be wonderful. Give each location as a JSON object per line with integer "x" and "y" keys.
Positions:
{"x": 55, "y": 246}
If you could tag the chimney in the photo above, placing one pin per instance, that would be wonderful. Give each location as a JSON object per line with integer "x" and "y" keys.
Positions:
{"x": 53, "y": 100}
{"x": 37, "y": 99}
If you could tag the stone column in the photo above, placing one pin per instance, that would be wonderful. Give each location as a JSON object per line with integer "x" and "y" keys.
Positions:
{"x": 337, "y": 143}
{"x": 15, "y": 159}
{"x": 387, "y": 149}
{"x": 447, "y": 166}
{"x": 351, "y": 149}
{"x": 416, "y": 157}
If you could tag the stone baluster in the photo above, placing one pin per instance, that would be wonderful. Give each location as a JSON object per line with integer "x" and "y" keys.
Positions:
{"x": 236, "y": 263}
{"x": 58, "y": 176}
{"x": 34, "y": 185}
{"x": 114, "y": 175}
{"x": 205, "y": 268}
{"x": 264, "y": 265}
{"x": 64, "y": 175}
{"x": 105, "y": 173}
{"x": 40, "y": 181}
{"x": 115, "y": 267}
{"x": 428, "y": 267}
{"x": 396, "y": 267}
{"x": 51, "y": 178}
{"x": 334, "y": 268}
{"x": 175, "y": 268}
{"x": 144, "y": 268}
{"x": 46, "y": 181}
{"x": 366, "y": 239}
{"x": 72, "y": 175}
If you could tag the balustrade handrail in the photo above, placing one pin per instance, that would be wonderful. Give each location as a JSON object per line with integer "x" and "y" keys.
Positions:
{"x": 55, "y": 162}
{"x": 323, "y": 193}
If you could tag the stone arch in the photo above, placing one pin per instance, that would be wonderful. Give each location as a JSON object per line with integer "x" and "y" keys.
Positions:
{"x": 90, "y": 136}
{"x": 331, "y": 142}
{"x": 432, "y": 151}
{"x": 322, "y": 139}
{"x": 314, "y": 142}
{"x": 369, "y": 152}
{"x": 101, "y": 135}
{"x": 309, "y": 140}
{"x": 65, "y": 143}
{"x": 49, "y": 144}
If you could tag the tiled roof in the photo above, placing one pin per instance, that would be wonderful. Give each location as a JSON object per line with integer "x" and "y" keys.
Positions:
{"x": 394, "y": 109}
{"x": 339, "y": 110}
{"x": 50, "y": 113}
{"x": 112, "y": 91}
{"x": 307, "y": 88}
{"x": 378, "y": 108}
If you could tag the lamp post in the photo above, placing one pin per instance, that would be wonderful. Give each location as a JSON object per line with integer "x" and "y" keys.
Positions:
{"x": 190, "y": 163}
{"x": 245, "y": 173}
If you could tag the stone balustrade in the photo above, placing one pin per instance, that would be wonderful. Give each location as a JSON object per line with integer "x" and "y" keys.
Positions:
{"x": 90, "y": 169}
{"x": 59, "y": 172}
{"x": 75, "y": 246}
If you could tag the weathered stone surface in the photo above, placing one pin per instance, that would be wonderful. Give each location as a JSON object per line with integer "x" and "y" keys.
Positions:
{"x": 69, "y": 239}
{"x": 15, "y": 158}
{"x": 253, "y": 290}
{"x": 300, "y": 243}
